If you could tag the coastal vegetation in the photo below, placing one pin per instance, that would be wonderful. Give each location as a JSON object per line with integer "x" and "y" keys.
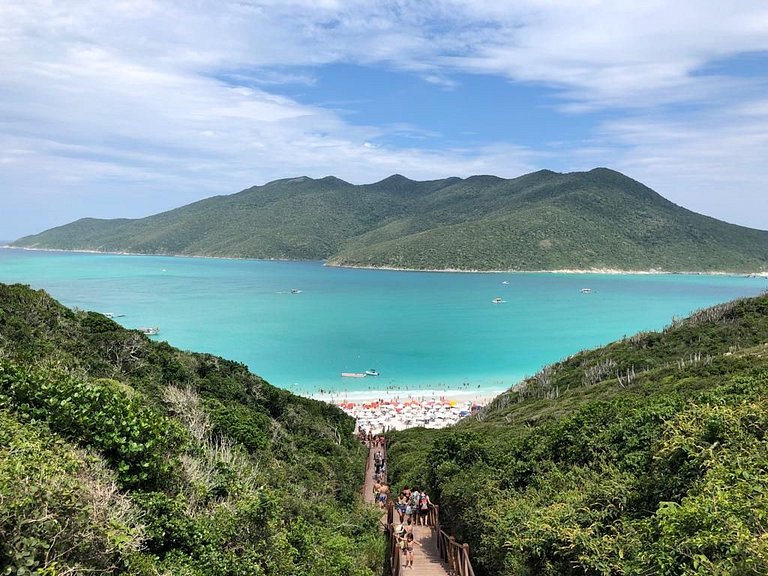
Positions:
{"x": 120, "y": 455}
{"x": 599, "y": 219}
{"x": 646, "y": 456}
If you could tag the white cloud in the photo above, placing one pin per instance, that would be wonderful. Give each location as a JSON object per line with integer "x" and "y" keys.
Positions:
{"x": 176, "y": 100}
{"x": 709, "y": 163}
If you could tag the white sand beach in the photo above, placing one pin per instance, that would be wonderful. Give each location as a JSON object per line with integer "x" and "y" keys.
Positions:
{"x": 398, "y": 413}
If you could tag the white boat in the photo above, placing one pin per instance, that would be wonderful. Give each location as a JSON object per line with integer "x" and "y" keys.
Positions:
{"x": 295, "y": 291}
{"x": 586, "y": 290}
{"x": 149, "y": 331}
{"x": 497, "y": 300}
{"x": 372, "y": 372}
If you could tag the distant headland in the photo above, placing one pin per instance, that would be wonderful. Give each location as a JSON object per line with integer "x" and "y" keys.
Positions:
{"x": 600, "y": 220}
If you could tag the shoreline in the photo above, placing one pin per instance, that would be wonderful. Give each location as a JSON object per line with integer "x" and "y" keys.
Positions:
{"x": 426, "y": 394}
{"x": 606, "y": 271}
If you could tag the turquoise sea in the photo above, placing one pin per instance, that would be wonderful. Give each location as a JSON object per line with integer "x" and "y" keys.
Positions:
{"x": 421, "y": 330}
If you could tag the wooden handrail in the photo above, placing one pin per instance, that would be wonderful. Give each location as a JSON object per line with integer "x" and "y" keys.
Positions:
{"x": 455, "y": 554}
{"x": 394, "y": 551}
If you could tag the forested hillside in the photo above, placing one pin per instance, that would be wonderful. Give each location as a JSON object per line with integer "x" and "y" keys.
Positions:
{"x": 120, "y": 455}
{"x": 647, "y": 456}
{"x": 541, "y": 221}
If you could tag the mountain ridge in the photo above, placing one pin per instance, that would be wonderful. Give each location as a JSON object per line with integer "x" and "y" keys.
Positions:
{"x": 545, "y": 220}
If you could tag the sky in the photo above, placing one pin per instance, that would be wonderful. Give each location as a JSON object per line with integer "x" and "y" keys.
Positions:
{"x": 131, "y": 107}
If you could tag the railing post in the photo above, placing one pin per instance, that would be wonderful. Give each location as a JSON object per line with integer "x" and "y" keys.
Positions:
{"x": 394, "y": 552}
{"x": 434, "y": 516}
{"x": 396, "y": 566}
{"x": 446, "y": 551}
{"x": 465, "y": 563}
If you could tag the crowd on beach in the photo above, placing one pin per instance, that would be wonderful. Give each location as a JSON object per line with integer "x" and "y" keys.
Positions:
{"x": 383, "y": 415}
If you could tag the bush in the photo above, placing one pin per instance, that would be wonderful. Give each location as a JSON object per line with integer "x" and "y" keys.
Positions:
{"x": 60, "y": 511}
{"x": 140, "y": 443}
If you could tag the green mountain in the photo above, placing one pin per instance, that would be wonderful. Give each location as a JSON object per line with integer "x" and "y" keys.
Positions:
{"x": 120, "y": 455}
{"x": 540, "y": 221}
{"x": 646, "y": 456}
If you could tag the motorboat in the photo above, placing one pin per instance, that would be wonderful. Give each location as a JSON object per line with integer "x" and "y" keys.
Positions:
{"x": 497, "y": 300}
{"x": 295, "y": 291}
{"x": 372, "y": 372}
{"x": 586, "y": 290}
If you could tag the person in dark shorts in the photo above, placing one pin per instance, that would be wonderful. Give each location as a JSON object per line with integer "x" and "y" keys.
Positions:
{"x": 424, "y": 504}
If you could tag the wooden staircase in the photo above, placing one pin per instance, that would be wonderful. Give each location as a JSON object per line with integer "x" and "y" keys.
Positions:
{"x": 436, "y": 553}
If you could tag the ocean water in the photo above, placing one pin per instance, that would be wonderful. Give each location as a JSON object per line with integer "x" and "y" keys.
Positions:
{"x": 425, "y": 332}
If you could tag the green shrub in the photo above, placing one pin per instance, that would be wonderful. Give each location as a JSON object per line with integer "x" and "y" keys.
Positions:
{"x": 59, "y": 510}
{"x": 139, "y": 442}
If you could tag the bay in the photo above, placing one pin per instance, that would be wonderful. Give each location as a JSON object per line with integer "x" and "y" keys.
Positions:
{"x": 424, "y": 332}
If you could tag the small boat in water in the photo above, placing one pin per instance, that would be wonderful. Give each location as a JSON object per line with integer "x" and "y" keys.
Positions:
{"x": 586, "y": 290}
{"x": 149, "y": 331}
{"x": 372, "y": 372}
{"x": 497, "y": 300}
{"x": 353, "y": 374}
{"x": 295, "y": 291}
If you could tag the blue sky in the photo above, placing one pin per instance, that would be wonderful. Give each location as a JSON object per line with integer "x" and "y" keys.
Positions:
{"x": 131, "y": 107}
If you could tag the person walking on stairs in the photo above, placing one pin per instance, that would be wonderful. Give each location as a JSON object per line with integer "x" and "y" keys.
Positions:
{"x": 407, "y": 544}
